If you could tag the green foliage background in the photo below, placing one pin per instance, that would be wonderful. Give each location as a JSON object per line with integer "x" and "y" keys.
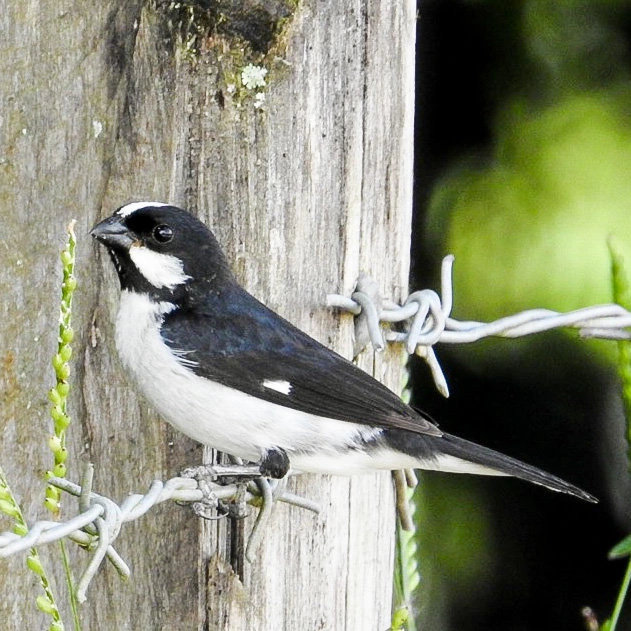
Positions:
{"x": 528, "y": 218}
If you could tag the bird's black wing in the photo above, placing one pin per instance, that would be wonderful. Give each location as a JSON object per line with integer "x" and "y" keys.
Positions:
{"x": 235, "y": 340}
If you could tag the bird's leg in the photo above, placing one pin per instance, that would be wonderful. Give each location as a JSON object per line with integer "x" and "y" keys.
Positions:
{"x": 223, "y": 473}
{"x": 275, "y": 463}
{"x": 210, "y": 476}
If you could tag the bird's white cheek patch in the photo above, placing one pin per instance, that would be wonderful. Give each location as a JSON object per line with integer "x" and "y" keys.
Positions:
{"x": 161, "y": 270}
{"x": 284, "y": 387}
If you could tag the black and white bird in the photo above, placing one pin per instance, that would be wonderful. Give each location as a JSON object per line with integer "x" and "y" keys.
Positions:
{"x": 230, "y": 373}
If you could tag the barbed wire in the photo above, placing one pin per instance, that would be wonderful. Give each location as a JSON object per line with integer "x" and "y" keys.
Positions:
{"x": 100, "y": 519}
{"x": 430, "y": 321}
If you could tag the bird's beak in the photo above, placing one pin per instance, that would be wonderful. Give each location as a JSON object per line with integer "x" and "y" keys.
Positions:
{"x": 113, "y": 233}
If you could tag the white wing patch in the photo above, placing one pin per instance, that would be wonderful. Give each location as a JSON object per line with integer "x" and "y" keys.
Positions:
{"x": 128, "y": 209}
{"x": 161, "y": 270}
{"x": 284, "y": 387}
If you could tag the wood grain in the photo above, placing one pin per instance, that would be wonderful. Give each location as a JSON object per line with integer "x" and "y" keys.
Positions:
{"x": 102, "y": 105}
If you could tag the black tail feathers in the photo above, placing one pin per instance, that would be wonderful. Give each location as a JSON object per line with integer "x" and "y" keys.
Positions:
{"x": 450, "y": 453}
{"x": 460, "y": 448}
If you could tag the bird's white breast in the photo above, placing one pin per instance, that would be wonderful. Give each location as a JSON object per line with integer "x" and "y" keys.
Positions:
{"x": 222, "y": 417}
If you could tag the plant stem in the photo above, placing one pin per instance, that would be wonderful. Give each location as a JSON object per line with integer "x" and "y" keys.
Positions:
{"x": 622, "y": 295}
{"x": 74, "y": 602}
{"x": 45, "y": 603}
{"x": 621, "y": 596}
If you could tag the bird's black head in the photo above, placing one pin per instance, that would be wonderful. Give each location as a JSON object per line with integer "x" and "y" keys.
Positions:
{"x": 161, "y": 249}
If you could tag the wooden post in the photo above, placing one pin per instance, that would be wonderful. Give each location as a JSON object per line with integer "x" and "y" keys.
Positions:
{"x": 127, "y": 101}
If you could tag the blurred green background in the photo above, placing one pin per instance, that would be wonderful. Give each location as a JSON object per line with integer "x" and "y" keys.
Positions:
{"x": 523, "y": 171}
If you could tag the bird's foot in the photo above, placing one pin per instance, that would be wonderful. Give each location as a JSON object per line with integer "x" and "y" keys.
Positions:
{"x": 216, "y": 504}
{"x": 213, "y": 480}
{"x": 275, "y": 464}
{"x": 223, "y": 474}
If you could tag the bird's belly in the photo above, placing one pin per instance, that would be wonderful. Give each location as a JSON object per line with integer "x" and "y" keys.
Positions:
{"x": 216, "y": 415}
{"x": 245, "y": 426}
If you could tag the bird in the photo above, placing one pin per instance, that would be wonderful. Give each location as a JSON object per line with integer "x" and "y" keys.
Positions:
{"x": 229, "y": 372}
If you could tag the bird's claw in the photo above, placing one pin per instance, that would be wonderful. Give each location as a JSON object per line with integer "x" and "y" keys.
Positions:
{"x": 209, "y": 476}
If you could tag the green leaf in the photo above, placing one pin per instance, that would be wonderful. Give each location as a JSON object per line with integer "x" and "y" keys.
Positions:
{"x": 9, "y": 508}
{"x": 35, "y": 565}
{"x": 54, "y": 396}
{"x": 399, "y": 619}
{"x": 67, "y": 258}
{"x": 44, "y": 604}
{"x": 63, "y": 388}
{"x": 621, "y": 549}
{"x": 20, "y": 529}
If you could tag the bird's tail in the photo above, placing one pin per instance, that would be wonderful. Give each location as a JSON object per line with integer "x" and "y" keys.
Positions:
{"x": 462, "y": 456}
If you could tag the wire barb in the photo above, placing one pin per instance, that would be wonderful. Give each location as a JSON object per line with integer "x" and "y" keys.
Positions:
{"x": 429, "y": 322}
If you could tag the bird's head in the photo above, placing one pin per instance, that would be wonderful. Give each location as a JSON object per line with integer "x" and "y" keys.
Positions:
{"x": 159, "y": 248}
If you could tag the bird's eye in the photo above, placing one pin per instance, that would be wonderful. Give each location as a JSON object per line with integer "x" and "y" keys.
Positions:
{"x": 163, "y": 233}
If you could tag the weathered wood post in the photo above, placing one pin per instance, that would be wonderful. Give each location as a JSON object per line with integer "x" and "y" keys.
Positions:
{"x": 304, "y": 187}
